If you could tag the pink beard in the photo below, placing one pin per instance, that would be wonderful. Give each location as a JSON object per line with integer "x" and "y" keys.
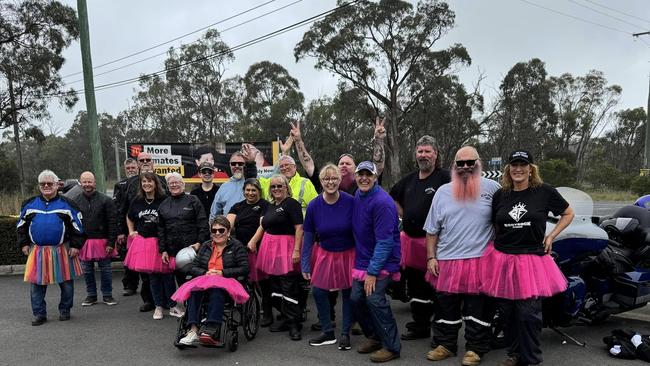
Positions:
{"x": 469, "y": 190}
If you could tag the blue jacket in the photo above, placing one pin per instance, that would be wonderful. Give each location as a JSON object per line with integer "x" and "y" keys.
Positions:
{"x": 52, "y": 222}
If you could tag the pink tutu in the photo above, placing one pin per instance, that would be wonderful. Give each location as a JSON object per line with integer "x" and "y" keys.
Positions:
{"x": 143, "y": 256}
{"x": 202, "y": 283}
{"x": 255, "y": 274}
{"x": 332, "y": 270}
{"x": 360, "y": 275}
{"x": 414, "y": 252}
{"x": 95, "y": 249}
{"x": 129, "y": 240}
{"x": 519, "y": 276}
{"x": 274, "y": 255}
{"x": 456, "y": 276}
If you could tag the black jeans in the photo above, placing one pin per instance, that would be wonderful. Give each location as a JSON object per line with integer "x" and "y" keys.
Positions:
{"x": 421, "y": 303}
{"x": 523, "y": 320}
{"x": 286, "y": 295}
{"x": 451, "y": 310}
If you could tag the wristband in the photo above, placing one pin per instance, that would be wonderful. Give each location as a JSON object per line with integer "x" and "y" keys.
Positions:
{"x": 430, "y": 258}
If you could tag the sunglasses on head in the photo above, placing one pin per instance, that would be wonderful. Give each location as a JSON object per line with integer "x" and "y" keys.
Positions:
{"x": 46, "y": 184}
{"x": 218, "y": 230}
{"x": 462, "y": 163}
{"x": 144, "y": 160}
{"x": 236, "y": 163}
{"x": 277, "y": 186}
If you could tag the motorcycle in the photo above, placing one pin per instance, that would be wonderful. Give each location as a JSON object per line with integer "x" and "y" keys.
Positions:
{"x": 600, "y": 258}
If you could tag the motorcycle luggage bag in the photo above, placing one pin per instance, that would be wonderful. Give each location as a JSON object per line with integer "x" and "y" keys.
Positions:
{"x": 612, "y": 261}
{"x": 632, "y": 288}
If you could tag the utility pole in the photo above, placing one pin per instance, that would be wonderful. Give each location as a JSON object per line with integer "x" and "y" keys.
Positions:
{"x": 646, "y": 155}
{"x": 117, "y": 160}
{"x": 19, "y": 153}
{"x": 89, "y": 93}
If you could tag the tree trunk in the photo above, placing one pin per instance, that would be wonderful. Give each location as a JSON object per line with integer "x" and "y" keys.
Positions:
{"x": 394, "y": 151}
{"x": 19, "y": 154}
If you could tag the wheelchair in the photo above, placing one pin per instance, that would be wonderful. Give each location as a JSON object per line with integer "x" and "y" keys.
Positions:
{"x": 245, "y": 315}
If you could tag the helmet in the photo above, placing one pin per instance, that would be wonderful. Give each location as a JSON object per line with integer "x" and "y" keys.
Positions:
{"x": 643, "y": 201}
{"x": 184, "y": 258}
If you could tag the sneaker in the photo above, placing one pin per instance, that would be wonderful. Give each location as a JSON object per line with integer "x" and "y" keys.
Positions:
{"x": 147, "y": 306}
{"x": 209, "y": 336}
{"x": 39, "y": 320}
{"x": 383, "y": 355}
{"x": 89, "y": 301}
{"x": 371, "y": 345}
{"x": 323, "y": 340}
{"x": 439, "y": 353}
{"x": 471, "y": 359}
{"x": 190, "y": 339}
{"x": 158, "y": 313}
{"x": 128, "y": 292}
{"x": 109, "y": 300}
{"x": 177, "y": 311}
{"x": 64, "y": 315}
{"x": 510, "y": 361}
{"x": 295, "y": 335}
{"x": 344, "y": 343}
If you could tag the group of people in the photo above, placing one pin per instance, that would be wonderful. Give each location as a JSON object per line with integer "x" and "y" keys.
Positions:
{"x": 460, "y": 244}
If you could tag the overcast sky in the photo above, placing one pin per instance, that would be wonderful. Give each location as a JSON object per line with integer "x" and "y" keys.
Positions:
{"x": 497, "y": 34}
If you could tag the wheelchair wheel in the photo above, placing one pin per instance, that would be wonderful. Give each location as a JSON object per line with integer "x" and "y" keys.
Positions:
{"x": 233, "y": 341}
{"x": 181, "y": 332}
{"x": 251, "y": 317}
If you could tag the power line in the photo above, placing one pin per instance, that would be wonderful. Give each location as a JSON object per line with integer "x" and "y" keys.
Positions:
{"x": 607, "y": 14}
{"x": 176, "y": 38}
{"x": 196, "y": 41}
{"x": 618, "y": 11}
{"x": 214, "y": 55}
{"x": 575, "y": 18}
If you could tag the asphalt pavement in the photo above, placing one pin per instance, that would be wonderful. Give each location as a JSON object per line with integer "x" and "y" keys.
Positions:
{"x": 121, "y": 335}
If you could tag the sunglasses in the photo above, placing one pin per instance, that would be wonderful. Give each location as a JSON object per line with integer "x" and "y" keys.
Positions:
{"x": 236, "y": 163}
{"x": 277, "y": 186}
{"x": 219, "y": 230}
{"x": 462, "y": 163}
{"x": 206, "y": 171}
{"x": 46, "y": 184}
{"x": 144, "y": 160}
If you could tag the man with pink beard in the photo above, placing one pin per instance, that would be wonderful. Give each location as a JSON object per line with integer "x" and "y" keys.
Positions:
{"x": 459, "y": 228}
{"x": 413, "y": 195}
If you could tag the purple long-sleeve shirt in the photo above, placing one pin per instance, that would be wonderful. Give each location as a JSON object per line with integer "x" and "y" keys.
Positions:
{"x": 375, "y": 226}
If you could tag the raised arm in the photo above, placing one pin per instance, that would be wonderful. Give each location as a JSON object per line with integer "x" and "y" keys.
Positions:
{"x": 304, "y": 157}
{"x": 378, "y": 155}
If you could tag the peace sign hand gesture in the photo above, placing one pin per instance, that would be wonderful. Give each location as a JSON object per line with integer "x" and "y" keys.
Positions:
{"x": 285, "y": 146}
{"x": 380, "y": 130}
{"x": 295, "y": 131}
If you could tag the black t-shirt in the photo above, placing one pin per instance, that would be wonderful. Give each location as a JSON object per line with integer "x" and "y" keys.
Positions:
{"x": 520, "y": 218}
{"x": 248, "y": 218}
{"x": 280, "y": 219}
{"x": 206, "y": 198}
{"x": 415, "y": 196}
{"x": 145, "y": 216}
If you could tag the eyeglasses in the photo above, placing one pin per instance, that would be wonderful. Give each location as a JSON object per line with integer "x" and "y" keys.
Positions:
{"x": 277, "y": 186}
{"x": 174, "y": 183}
{"x": 236, "y": 163}
{"x": 144, "y": 160}
{"x": 218, "y": 230}
{"x": 330, "y": 180}
{"x": 462, "y": 163}
{"x": 285, "y": 166}
{"x": 46, "y": 184}
{"x": 206, "y": 171}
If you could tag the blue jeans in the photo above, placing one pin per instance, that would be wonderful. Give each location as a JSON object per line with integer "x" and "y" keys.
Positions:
{"x": 162, "y": 289}
{"x": 39, "y": 307}
{"x": 374, "y": 314}
{"x": 106, "y": 276}
{"x": 215, "y": 298}
{"x": 321, "y": 297}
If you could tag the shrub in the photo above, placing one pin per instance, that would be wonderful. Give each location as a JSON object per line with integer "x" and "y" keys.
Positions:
{"x": 9, "y": 252}
{"x": 640, "y": 185}
{"x": 558, "y": 173}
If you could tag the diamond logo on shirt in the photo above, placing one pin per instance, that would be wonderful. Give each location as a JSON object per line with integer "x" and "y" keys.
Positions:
{"x": 518, "y": 211}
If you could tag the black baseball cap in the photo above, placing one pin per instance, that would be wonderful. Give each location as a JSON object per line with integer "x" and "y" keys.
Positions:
{"x": 521, "y": 155}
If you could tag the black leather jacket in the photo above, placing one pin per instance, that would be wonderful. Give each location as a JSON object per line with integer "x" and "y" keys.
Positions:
{"x": 234, "y": 258}
{"x": 181, "y": 222}
{"x": 98, "y": 216}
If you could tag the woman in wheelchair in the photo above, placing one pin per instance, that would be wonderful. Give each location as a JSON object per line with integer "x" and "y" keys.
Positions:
{"x": 222, "y": 256}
